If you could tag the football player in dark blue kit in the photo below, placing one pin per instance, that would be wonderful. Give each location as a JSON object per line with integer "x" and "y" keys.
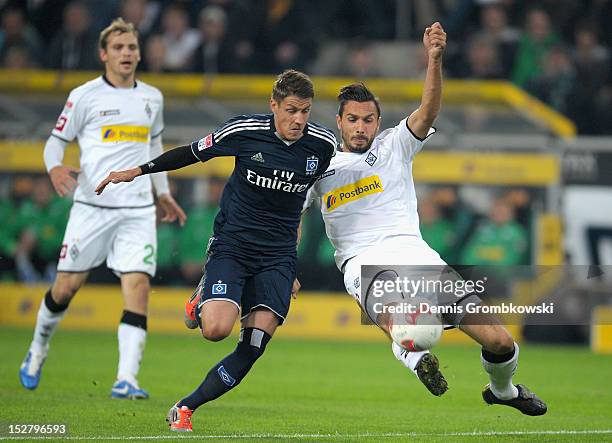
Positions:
{"x": 251, "y": 263}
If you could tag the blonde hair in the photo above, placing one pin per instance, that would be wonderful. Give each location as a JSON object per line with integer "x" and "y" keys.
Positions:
{"x": 119, "y": 26}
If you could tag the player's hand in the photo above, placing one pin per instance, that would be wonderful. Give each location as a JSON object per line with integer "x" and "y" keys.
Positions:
{"x": 296, "y": 288}
{"x": 434, "y": 40}
{"x": 118, "y": 177}
{"x": 171, "y": 210}
{"x": 63, "y": 179}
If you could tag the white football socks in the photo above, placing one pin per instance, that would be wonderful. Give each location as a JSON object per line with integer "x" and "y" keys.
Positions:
{"x": 500, "y": 375}
{"x": 46, "y": 324}
{"x": 407, "y": 358}
{"x": 131, "y": 347}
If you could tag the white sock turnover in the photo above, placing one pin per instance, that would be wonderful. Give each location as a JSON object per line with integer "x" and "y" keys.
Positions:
{"x": 407, "y": 358}
{"x": 500, "y": 376}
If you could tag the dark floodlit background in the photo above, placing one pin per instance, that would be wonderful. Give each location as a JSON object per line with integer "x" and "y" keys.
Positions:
{"x": 517, "y": 176}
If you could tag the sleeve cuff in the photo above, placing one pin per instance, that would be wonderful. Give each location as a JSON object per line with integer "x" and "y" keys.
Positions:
{"x": 406, "y": 129}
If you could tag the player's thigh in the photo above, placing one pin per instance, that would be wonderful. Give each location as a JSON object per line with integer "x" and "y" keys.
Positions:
{"x": 221, "y": 290}
{"x": 87, "y": 239}
{"x": 269, "y": 290}
{"x": 135, "y": 287}
{"x": 134, "y": 245}
{"x": 364, "y": 284}
{"x": 407, "y": 251}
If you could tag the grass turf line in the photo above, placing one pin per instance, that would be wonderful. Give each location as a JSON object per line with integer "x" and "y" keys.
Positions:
{"x": 305, "y": 389}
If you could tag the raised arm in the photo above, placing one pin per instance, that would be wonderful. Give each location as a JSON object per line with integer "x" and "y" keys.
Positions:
{"x": 173, "y": 159}
{"x": 421, "y": 120}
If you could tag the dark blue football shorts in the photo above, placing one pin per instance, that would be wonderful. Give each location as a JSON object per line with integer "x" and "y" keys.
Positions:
{"x": 249, "y": 282}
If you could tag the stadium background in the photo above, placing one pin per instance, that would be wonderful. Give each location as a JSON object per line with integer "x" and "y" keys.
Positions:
{"x": 518, "y": 175}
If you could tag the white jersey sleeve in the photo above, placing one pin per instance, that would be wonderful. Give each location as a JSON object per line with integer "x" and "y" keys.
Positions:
{"x": 402, "y": 141}
{"x": 311, "y": 196}
{"x": 158, "y": 122}
{"x": 160, "y": 179}
{"x": 73, "y": 117}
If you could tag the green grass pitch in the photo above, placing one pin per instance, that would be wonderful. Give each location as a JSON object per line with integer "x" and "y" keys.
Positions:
{"x": 304, "y": 391}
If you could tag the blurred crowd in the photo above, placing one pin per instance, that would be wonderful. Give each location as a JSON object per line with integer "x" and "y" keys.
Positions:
{"x": 559, "y": 50}
{"x": 495, "y": 231}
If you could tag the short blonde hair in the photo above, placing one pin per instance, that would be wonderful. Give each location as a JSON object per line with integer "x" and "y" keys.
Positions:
{"x": 119, "y": 26}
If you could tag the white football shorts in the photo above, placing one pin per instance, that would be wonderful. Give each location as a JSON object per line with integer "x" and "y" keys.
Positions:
{"x": 390, "y": 259}
{"x": 397, "y": 250}
{"x": 125, "y": 237}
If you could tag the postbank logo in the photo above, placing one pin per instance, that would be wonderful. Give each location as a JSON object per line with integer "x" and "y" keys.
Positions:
{"x": 354, "y": 191}
{"x": 125, "y": 134}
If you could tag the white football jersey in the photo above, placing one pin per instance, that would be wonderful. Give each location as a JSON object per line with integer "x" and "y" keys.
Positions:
{"x": 366, "y": 198}
{"x": 114, "y": 128}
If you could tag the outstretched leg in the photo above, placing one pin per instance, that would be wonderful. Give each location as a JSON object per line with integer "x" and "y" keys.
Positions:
{"x": 499, "y": 358}
{"x": 257, "y": 330}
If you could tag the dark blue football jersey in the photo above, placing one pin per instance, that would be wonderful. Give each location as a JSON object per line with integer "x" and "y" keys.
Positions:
{"x": 262, "y": 202}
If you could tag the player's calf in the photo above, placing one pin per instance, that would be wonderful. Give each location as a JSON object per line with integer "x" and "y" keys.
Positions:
{"x": 229, "y": 372}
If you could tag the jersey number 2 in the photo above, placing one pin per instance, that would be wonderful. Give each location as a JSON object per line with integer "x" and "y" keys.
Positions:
{"x": 148, "y": 259}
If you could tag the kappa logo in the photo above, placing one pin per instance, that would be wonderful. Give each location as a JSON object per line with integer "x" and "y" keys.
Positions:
{"x": 312, "y": 163}
{"x": 327, "y": 174}
{"x": 371, "y": 159}
{"x": 205, "y": 142}
{"x": 258, "y": 158}
{"x": 219, "y": 288}
{"x": 354, "y": 191}
{"x": 110, "y": 112}
{"x": 225, "y": 377}
{"x": 138, "y": 134}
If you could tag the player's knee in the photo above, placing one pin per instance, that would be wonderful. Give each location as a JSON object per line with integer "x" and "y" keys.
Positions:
{"x": 63, "y": 291}
{"x": 136, "y": 285}
{"x": 501, "y": 343}
{"x": 216, "y": 330}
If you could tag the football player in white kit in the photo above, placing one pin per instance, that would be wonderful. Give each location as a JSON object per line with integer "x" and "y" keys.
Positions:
{"x": 369, "y": 206}
{"x": 118, "y": 122}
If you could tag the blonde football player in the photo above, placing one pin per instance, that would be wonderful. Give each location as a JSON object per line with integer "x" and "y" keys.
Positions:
{"x": 118, "y": 123}
{"x": 369, "y": 206}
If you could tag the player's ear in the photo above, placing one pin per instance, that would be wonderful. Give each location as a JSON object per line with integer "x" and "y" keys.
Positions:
{"x": 338, "y": 120}
{"x": 102, "y": 55}
{"x": 273, "y": 105}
